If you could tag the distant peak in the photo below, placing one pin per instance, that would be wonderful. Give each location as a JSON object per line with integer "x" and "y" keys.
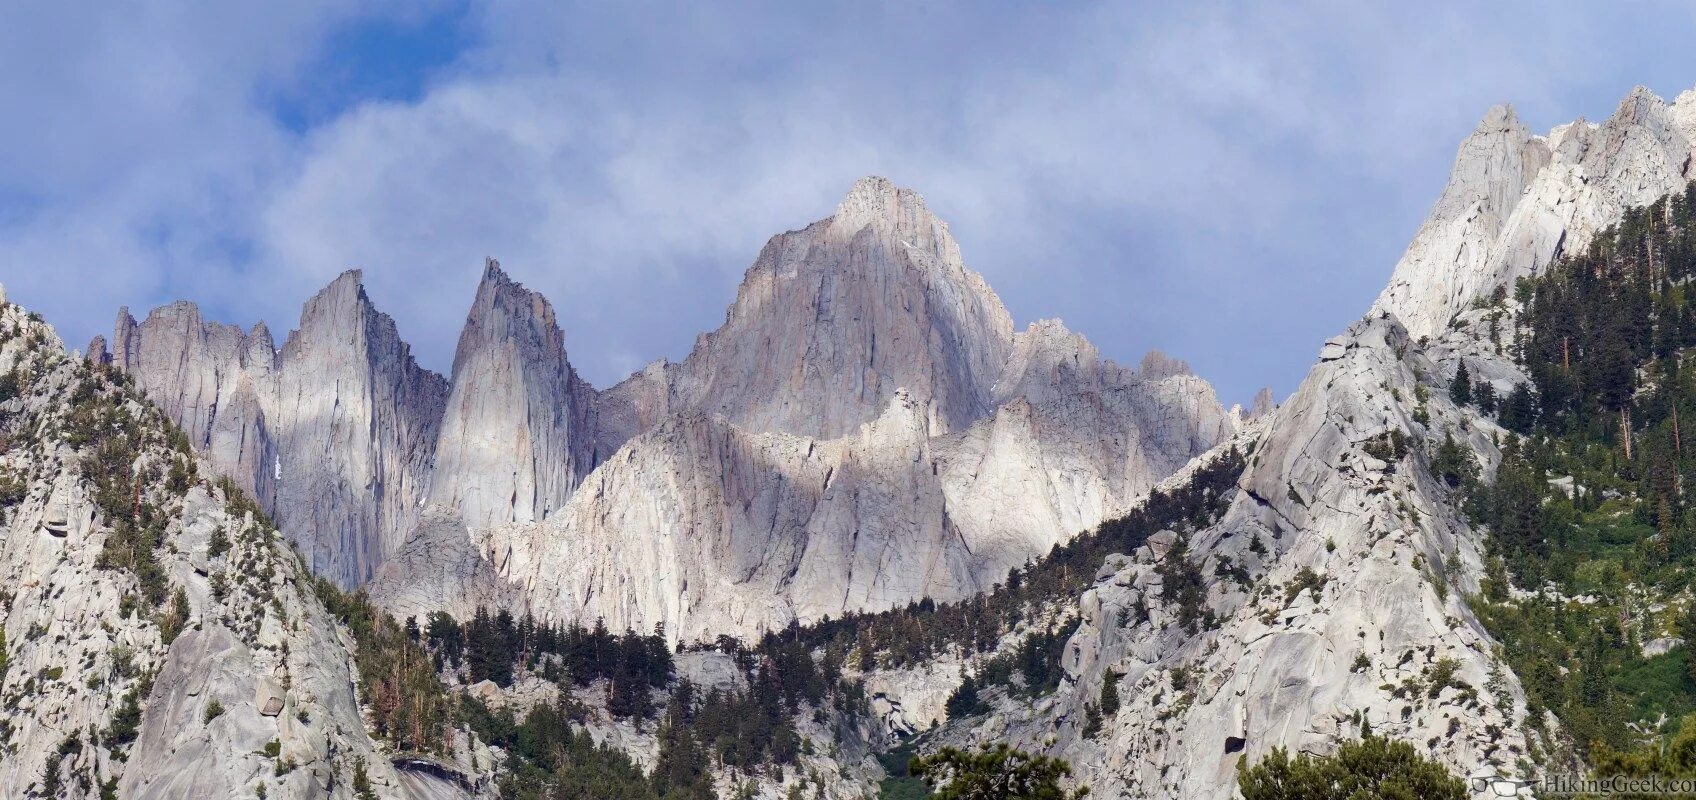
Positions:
{"x": 1639, "y": 103}
{"x": 353, "y": 277}
{"x": 1263, "y": 403}
{"x": 872, "y": 188}
{"x": 874, "y": 197}
{"x": 498, "y": 287}
{"x": 1156, "y": 365}
{"x": 1500, "y": 117}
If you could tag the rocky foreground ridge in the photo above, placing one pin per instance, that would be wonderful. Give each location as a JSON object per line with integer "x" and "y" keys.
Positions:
{"x": 1336, "y": 579}
{"x": 160, "y": 639}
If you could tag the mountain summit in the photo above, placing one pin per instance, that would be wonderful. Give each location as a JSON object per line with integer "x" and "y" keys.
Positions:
{"x": 865, "y": 429}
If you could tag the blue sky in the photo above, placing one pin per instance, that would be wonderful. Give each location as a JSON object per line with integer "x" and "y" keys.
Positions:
{"x": 1229, "y": 183}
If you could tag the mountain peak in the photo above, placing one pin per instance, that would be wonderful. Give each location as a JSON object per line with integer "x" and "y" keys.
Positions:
{"x": 831, "y": 319}
{"x": 1157, "y": 365}
{"x": 1500, "y": 118}
{"x": 511, "y": 383}
{"x": 877, "y": 199}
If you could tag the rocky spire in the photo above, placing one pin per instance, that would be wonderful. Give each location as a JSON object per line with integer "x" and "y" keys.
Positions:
{"x": 518, "y": 435}
{"x": 356, "y": 421}
{"x": 1515, "y": 201}
{"x": 1263, "y": 403}
{"x": 97, "y": 352}
{"x": 332, "y": 435}
{"x": 831, "y": 320}
{"x": 1157, "y": 365}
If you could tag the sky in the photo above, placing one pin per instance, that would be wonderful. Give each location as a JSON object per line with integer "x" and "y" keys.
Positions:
{"x": 1230, "y": 183}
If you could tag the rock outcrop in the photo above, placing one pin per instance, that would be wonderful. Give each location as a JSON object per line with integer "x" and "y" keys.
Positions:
{"x": 1515, "y": 201}
{"x": 518, "y": 435}
{"x": 240, "y": 683}
{"x": 1337, "y": 576}
{"x": 334, "y": 434}
{"x": 1347, "y": 610}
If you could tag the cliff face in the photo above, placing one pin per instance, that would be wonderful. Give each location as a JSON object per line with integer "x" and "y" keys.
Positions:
{"x": 334, "y": 434}
{"x": 1517, "y": 200}
{"x": 865, "y": 430}
{"x": 107, "y": 685}
{"x": 518, "y": 435}
{"x": 832, "y": 320}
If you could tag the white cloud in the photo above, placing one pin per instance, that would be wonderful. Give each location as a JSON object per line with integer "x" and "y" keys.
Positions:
{"x": 1158, "y": 175}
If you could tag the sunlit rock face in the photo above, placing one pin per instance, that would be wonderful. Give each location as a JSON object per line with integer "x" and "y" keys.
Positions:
{"x": 865, "y": 429}
{"x": 518, "y": 435}
{"x": 333, "y": 434}
{"x": 1516, "y": 200}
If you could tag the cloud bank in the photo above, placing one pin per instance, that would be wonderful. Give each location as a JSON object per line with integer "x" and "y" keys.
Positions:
{"x": 1230, "y": 184}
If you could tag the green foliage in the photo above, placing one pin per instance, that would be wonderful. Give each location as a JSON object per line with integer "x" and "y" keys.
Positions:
{"x": 218, "y": 544}
{"x": 171, "y": 624}
{"x": 1366, "y": 769}
{"x": 1518, "y": 411}
{"x": 1183, "y": 585}
{"x": 1606, "y": 337}
{"x": 397, "y": 677}
{"x": 1675, "y": 758}
{"x": 493, "y": 647}
{"x": 1453, "y": 464}
{"x": 1460, "y": 389}
{"x": 1109, "y": 699}
{"x": 899, "y": 783}
{"x": 965, "y": 702}
{"x": 1390, "y": 447}
{"x": 214, "y": 710}
{"x": 995, "y": 773}
{"x": 362, "y": 788}
{"x": 110, "y": 434}
{"x": 1305, "y": 580}
{"x": 126, "y": 721}
{"x": 1092, "y": 721}
{"x": 550, "y": 758}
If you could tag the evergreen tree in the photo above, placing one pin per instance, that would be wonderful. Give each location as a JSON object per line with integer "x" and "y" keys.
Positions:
{"x": 995, "y": 773}
{"x": 1109, "y": 693}
{"x": 1519, "y": 410}
{"x": 1460, "y": 389}
{"x": 1092, "y": 721}
{"x": 1484, "y": 395}
{"x": 1371, "y": 768}
{"x": 965, "y": 702}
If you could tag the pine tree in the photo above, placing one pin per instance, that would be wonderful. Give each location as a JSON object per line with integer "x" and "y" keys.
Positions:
{"x": 965, "y": 702}
{"x": 994, "y": 772}
{"x": 1484, "y": 394}
{"x": 1519, "y": 410}
{"x": 1371, "y": 768}
{"x": 1460, "y": 389}
{"x": 1092, "y": 721}
{"x": 1109, "y": 693}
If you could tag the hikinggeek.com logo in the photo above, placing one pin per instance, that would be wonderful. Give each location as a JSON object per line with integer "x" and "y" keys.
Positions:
{"x": 1574, "y": 785}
